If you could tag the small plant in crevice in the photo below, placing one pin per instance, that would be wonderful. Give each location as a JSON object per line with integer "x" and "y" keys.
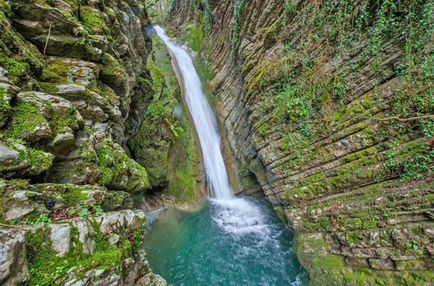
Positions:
{"x": 84, "y": 211}
{"x": 420, "y": 164}
{"x": 413, "y": 247}
{"x": 42, "y": 218}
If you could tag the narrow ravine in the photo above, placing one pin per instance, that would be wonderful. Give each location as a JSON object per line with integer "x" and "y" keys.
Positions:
{"x": 232, "y": 240}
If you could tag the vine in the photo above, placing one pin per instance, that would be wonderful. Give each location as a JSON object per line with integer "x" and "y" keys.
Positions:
{"x": 207, "y": 15}
{"x": 236, "y": 24}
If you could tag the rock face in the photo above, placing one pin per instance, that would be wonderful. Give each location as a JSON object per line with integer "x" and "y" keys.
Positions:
{"x": 327, "y": 107}
{"x": 77, "y": 252}
{"x": 74, "y": 90}
{"x": 83, "y": 94}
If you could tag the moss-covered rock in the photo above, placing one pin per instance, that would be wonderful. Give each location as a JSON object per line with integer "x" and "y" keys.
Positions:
{"x": 118, "y": 171}
{"x": 39, "y": 116}
{"x": 20, "y": 161}
{"x": 106, "y": 260}
{"x": 71, "y": 84}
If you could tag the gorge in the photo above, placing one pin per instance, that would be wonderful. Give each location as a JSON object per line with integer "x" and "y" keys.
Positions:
{"x": 323, "y": 128}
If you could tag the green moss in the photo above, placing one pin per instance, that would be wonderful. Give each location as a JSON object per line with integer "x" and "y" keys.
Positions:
{"x": 20, "y": 59}
{"x": 156, "y": 112}
{"x": 332, "y": 261}
{"x": 117, "y": 200}
{"x": 164, "y": 143}
{"x": 74, "y": 195}
{"x": 55, "y": 72}
{"x": 27, "y": 119}
{"x": 48, "y": 87}
{"x": 181, "y": 187}
{"x": 39, "y": 160}
{"x": 236, "y": 23}
{"x": 17, "y": 69}
{"x": 30, "y": 161}
{"x": 111, "y": 71}
{"x": 5, "y": 108}
{"x": 63, "y": 120}
{"x": 194, "y": 36}
{"x": 118, "y": 171}
{"x": 93, "y": 20}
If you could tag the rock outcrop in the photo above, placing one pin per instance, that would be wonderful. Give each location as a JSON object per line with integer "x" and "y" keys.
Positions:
{"x": 104, "y": 250}
{"x": 328, "y": 105}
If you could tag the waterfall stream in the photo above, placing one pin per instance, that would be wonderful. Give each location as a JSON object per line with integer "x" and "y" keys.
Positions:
{"x": 233, "y": 240}
{"x": 204, "y": 121}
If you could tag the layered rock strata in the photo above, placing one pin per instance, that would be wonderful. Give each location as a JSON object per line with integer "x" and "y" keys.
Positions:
{"x": 328, "y": 105}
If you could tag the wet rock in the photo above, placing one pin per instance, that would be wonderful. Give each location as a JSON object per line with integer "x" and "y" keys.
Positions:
{"x": 3, "y": 72}
{"x": 416, "y": 264}
{"x": 5, "y": 107}
{"x": 357, "y": 262}
{"x": 30, "y": 162}
{"x": 71, "y": 91}
{"x": 74, "y": 171}
{"x": 60, "y": 92}
{"x": 118, "y": 171}
{"x": 50, "y": 203}
{"x": 151, "y": 280}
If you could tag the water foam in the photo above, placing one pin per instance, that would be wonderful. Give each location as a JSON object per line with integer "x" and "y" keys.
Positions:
{"x": 240, "y": 216}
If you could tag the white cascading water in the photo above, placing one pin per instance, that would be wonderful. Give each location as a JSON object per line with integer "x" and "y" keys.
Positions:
{"x": 234, "y": 215}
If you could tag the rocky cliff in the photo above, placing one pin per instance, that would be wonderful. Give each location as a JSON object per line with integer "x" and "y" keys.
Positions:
{"x": 328, "y": 105}
{"x": 86, "y": 132}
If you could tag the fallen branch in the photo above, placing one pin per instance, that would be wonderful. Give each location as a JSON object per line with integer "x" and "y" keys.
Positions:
{"x": 48, "y": 38}
{"x": 11, "y": 225}
{"x": 405, "y": 119}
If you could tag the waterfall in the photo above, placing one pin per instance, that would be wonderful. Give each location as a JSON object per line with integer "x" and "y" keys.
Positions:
{"x": 203, "y": 119}
{"x": 236, "y": 216}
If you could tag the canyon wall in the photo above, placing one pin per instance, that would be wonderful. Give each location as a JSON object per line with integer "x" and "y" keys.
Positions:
{"x": 87, "y": 139}
{"x": 328, "y": 105}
